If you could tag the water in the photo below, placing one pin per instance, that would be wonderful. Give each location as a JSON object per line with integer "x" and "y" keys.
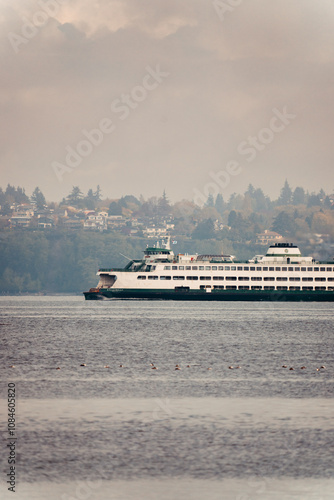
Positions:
{"x": 205, "y": 431}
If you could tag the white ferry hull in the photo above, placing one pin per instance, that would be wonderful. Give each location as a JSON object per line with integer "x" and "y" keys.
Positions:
{"x": 283, "y": 274}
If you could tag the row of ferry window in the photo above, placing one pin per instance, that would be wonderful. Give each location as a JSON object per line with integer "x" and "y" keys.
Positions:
{"x": 231, "y": 287}
{"x": 245, "y": 268}
{"x": 232, "y": 278}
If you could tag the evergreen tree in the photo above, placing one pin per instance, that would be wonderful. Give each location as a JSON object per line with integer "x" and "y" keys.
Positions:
{"x": 313, "y": 200}
{"x": 210, "y": 202}
{"x": 75, "y": 196}
{"x": 13, "y": 195}
{"x": 90, "y": 200}
{"x": 232, "y": 218}
{"x": 20, "y": 196}
{"x": 298, "y": 197}
{"x": 97, "y": 194}
{"x": 205, "y": 230}
{"x": 285, "y": 197}
{"x": 236, "y": 221}
{"x": 2, "y": 197}
{"x": 261, "y": 201}
{"x": 220, "y": 204}
{"x": 163, "y": 205}
{"x": 10, "y": 193}
{"x": 284, "y": 224}
{"x": 38, "y": 198}
{"x": 5, "y": 209}
{"x": 235, "y": 202}
{"x": 250, "y": 190}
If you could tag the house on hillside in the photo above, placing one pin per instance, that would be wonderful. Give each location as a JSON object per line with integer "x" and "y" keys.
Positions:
{"x": 155, "y": 232}
{"x": 20, "y": 221}
{"x": 72, "y": 223}
{"x": 116, "y": 221}
{"x": 95, "y": 222}
{"x": 268, "y": 237}
{"x": 25, "y": 210}
{"x": 45, "y": 222}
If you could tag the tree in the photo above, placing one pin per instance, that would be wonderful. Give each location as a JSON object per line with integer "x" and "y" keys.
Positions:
{"x": 309, "y": 220}
{"x": 250, "y": 190}
{"x": 13, "y": 195}
{"x": 163, "y": 205}
{"x": 210, "y": 202}
{"x": 232, "y": 218}
{"x": 97, "y": 194}
{"x": 322, "y": 195}
{"x": 205, "y": 230}
{"x": 284, "y": 224}
{"x": 149, "y": 208}
{"x": 257, "y": 229}
{"x": 6, "y": 210}
{"x": 10, "y": 194}
{"x": 235, "y": 202}
{"x": 220, "y": 204}
{"x": 20, "y": 196}
{"x": 323, "y": 222}
{"x": 2, "y": 197}
{"x": 327, "y": 202}
{"x": 128, "y": 200}
{"x": 75, "y": 196}
{"x": 313, "y": 200}
{"x": 38, "y": 198}
{"x": 262, "y": 202}
{"x": 286, "y": 195}
{"x": 115, "y": 208}
{"x": 298, "y": 197}
{"x": 183, "y": 214}
{"x": 90, "y": 200}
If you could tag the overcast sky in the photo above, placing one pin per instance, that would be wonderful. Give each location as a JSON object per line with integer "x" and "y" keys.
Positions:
{"x": 184, "y": 92}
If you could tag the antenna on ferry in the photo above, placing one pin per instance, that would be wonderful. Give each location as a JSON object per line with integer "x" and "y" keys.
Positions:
{"x": 125, "y": 256}
{"x": 167, "y": 244}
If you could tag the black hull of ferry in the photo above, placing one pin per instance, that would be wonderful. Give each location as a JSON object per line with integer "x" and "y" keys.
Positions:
{"x": 214, "y": 295}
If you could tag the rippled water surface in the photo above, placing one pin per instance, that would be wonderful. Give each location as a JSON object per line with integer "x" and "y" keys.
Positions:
{"x": 230, "y": 423}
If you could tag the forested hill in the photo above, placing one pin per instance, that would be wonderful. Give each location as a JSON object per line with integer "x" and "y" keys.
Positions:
{"x": 54, "y": 262}
{"x": 58, "y": 247}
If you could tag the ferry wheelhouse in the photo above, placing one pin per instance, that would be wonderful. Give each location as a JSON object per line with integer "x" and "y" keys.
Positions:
{"x": 282, "y": 274}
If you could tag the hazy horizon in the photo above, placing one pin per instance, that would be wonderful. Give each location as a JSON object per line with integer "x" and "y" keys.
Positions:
{"x": 192, "y": 98}
{"x": 158, "y": 195}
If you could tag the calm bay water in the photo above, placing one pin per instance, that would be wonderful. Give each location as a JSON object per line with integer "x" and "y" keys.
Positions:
{"x": 203, "y": 431}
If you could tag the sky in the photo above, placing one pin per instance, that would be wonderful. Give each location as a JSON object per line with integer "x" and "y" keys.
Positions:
{"x": 192, "y": 97}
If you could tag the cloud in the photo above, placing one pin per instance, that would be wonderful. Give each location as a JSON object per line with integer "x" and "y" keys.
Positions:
{"x": 225, "y": 79}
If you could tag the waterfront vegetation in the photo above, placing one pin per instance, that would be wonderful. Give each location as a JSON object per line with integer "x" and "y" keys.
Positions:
{"x": 58, "y": 258}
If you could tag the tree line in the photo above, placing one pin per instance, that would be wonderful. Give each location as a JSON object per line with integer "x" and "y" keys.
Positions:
{"x": 63, "y": 260}
{"x": 253, "y": 199}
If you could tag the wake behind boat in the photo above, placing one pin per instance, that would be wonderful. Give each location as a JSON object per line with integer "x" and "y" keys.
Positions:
{"x": 282, "y": 274}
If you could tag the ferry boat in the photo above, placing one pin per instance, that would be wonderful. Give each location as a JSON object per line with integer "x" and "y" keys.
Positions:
{"x": 283, "y": 274}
